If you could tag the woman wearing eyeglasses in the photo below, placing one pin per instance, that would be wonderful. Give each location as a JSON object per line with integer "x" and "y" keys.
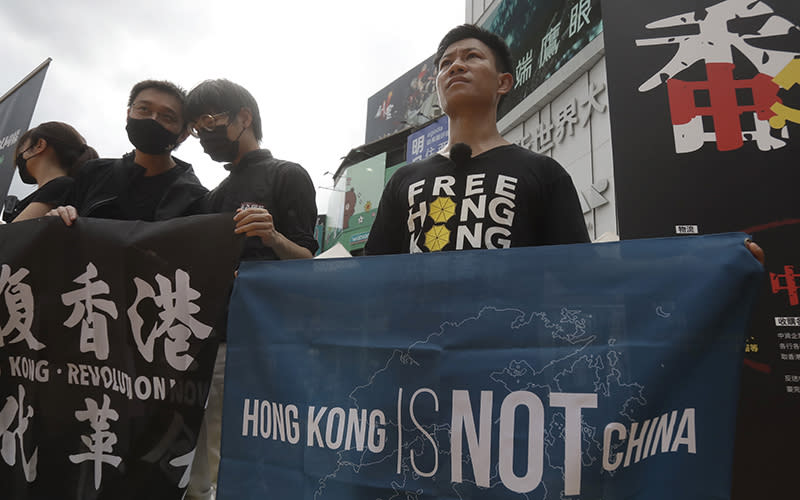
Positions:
{"x": 49, "y": 156}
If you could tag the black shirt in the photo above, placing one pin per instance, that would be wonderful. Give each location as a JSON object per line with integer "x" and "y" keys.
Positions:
{"x": 118, "y": 189}
{"x": 505, "y": 197}
{"x": 145, "y": 192}
{"x": 283, "y": 188}
{"x": 56, "y": 192}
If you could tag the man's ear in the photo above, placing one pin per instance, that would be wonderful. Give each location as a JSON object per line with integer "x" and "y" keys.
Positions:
{"x": 506, "y": 83}
{"x": 245, "y": 117}
{"x": 40, "y": 145}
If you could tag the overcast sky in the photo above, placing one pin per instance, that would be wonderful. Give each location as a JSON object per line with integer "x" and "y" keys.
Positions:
{"x": 310, "y": 64}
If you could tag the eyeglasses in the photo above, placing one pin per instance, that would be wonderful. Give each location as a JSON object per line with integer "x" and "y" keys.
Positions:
{"x": 206, "y": 123}
{"x": 142, "y": 110}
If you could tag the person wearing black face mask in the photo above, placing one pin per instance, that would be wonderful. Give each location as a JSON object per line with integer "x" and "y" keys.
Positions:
{"x": 149, "y": 183}
{"x": 274, "y": 200}
{"x": 275, "y": 206}
{"x": 49, "y": 156}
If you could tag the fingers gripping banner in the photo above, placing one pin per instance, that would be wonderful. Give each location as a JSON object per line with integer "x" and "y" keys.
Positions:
{"x": 106, "y": 351}
{"x": 603, "y": 371}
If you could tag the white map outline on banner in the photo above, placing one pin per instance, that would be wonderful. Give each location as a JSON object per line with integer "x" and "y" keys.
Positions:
{"x": 554, "y": 428}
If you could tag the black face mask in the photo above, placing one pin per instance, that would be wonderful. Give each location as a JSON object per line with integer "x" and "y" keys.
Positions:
{"x": 217, "y": 145}
{"x": 150, "y": 137}
{"x": 22, "y": 167}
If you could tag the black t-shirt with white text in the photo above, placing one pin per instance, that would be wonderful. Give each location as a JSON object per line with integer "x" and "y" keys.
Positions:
{"x": 505, "y": 197}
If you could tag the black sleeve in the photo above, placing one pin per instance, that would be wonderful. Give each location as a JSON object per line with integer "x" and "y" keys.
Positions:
{"x": 56, "y": 192}
{"x": 84, "y": 180}
{"x": 563, "y": 217}
{"x": 388, "y": 234}
{"x": 298, "y": 207}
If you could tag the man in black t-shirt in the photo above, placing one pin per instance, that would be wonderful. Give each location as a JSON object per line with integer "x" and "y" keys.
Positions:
{"x": 481, "y": 191}
{"x": 275, "y": 206}
{"x": 503, "y": 197}
{"x": 274, "y": 200}
{"x": 148, "y": 184}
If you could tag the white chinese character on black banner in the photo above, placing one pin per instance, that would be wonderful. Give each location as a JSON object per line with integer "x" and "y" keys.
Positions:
{"x": 102, "y": 441}
{"x": 579, "y": 15}
{"x": 86, "y": 310}
{"x": 549, "y": 45}
{"x": 717, "y": 33}
{"x": 523, "y": 71}
{"x": 14, "y": 409}
{"x": 19, "y": 302}
{"x": 185, "y": 462}
{"x": 176, "y": 319}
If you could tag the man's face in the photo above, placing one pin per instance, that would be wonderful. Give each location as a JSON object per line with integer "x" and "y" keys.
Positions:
{"x": 467, "y": 76}
{"x": 164, "y": 108}
{"x": 208, "y": 122}
{"x": 220, "y": 133}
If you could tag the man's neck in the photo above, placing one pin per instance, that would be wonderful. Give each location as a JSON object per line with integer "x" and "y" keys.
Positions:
{"x": 153, "y": 164}
{"x": 247, "y": 144}
{"x": 479, "y": 131}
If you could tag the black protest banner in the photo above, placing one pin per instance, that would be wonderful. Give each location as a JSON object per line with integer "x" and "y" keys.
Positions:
{"x": 16, "y": 110}
{"x": 705, "y": 121}
{"x": 106, "y": 352}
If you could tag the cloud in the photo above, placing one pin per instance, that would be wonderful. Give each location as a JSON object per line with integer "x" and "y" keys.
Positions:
{"x": 311, "y": 65}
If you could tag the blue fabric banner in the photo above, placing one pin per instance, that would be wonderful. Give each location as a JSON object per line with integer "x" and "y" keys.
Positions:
{"x": 603, "y": 371}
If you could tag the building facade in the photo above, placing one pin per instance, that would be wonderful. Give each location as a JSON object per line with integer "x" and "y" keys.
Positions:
{"x": 559, "y": 108}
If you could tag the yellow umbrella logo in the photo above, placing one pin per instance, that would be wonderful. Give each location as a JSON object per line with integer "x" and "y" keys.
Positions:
{"x": 437, "y": 237}
{"x": 442, "y": 209}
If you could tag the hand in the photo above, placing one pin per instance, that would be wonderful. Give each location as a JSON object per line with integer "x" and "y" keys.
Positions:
{"x": 256, "y": 222}
{"x": 67, "y": 213}
{"x": 756, "y": 250}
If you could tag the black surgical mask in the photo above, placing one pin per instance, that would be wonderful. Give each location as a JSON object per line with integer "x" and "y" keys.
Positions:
{"x": 22, "y": 166}
{"x": 217, "y": 145}
{"x": 150, "y": 137}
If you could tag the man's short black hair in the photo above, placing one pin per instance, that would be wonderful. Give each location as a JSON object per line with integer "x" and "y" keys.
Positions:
{"x": 221, "y": 96}
{"x": 162, "y": 85}
{"x": 498, "y": 46}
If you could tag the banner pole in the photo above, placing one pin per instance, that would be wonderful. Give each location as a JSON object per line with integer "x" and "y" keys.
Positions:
{"x": 25, "y": 80}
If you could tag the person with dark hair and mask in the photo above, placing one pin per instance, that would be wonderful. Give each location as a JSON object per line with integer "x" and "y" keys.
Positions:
{"x": 274, "y": 200}
{"x": 149, "y": 183}
{"x": 49, "y": 156}
{"x": 274, "y": 204}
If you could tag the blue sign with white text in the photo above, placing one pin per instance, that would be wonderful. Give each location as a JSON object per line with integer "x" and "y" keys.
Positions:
{"x": 598, "y": 371}
{"x": 426, "y": 142}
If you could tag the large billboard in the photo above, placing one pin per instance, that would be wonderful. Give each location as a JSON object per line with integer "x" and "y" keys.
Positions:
{"x": 407, "y": 102}
{"x": 705, "y": 122}
{"x": 542, "y": 35}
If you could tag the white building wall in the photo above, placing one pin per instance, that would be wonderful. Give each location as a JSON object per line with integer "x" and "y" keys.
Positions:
{"x": 574, "y": 129}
